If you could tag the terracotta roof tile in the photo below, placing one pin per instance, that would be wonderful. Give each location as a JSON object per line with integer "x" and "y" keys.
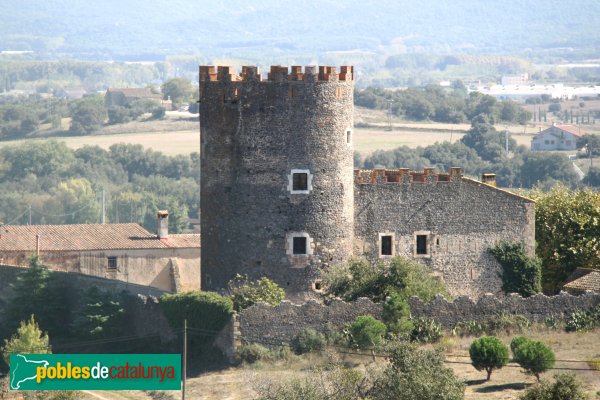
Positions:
{"x": 82, "y": 237}
{"x": 589, "y": 281}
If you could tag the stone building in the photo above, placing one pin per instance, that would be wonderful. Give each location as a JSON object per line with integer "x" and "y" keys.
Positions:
{"x": 280, "y": 197}
{"x": 124, "y": 252}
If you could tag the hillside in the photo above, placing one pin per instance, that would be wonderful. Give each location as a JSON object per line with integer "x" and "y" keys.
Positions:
{"x": 269, "y": 29}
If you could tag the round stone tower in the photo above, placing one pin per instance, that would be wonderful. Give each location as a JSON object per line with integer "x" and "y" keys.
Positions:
{"x": 277, "y": 192}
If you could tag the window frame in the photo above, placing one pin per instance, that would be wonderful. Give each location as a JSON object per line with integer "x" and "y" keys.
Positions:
{"x": 428, "y": 244}
{"x": 309, "y": 179}
{"x": 392, "y": 237}
{"x": 290, "y": 244}
{"x": 112, "y": 263}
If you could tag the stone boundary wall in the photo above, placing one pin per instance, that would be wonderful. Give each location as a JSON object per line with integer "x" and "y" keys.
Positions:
{"x": 535, "y": 308}
{"x": 267, "y": 324}
{"x": 276, "y": 325}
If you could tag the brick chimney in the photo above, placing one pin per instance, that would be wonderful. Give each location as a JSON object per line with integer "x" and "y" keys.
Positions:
{"x": 162, "y": 224}
{"x": 489, "y": 179}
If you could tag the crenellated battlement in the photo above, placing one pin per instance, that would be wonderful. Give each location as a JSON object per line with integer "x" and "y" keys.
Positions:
{"x": 277, "y": 73}
{"x": 404, "y": 175}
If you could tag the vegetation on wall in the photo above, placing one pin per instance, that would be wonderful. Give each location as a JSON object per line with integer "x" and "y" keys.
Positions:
{"x": 520, "y": 273}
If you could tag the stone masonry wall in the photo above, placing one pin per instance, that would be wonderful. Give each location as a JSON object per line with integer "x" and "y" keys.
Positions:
{"x": 461, "y": 218}
{"x": 274, "y": 325}
{"x": 254, "y": 132}
{"x": 535, "y": 308}
{"x": 266, "y": 324}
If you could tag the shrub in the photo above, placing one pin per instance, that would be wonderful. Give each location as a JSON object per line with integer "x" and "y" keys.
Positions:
{"x": 488, "y": 353}
{"x": 159, "y": 113}
{"x": 426, "y": 330}
{"x": 396, "y": 314}
{"x": 516, "y": 342}
{"x": 367, "y": 332}
{"x": 507, "y": 323}
{"x": 245, "y": 292}
{"x": 565, "y": 387}
{"x": 533, "y": 356}
{"x": 308, "y": 340}
{"x": 469, "y": 328}
{"x": 413, "y": 373}
{"x": 579, "y": 321}
{"x": 207, "y": 311}
{"x": 403, "y": 277}
{"x": 520, "y": 273}
{"x": 251, "y": 353}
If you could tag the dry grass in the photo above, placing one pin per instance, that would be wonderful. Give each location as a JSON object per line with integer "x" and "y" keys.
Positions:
{"x": 507, "y": 383}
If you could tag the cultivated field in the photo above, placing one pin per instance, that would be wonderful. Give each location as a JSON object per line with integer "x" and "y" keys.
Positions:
{"x": 507, "y": 383}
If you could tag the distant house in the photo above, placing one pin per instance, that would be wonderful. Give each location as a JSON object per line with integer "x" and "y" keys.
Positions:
{"x": 557, "y": 137}
{"x": 124, "y": 96}
{"x": 583, "y": 280}
{"x": 124, "y": 252}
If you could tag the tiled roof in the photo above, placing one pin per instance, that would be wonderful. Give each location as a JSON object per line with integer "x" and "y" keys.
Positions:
{"x": 143, "y": 93}
{"x": 87, "y": 237}
{"x": 585, "y": 280}
{"x": 572, "y": 129}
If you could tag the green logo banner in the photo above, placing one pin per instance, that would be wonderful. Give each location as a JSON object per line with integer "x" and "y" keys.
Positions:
{"x": 95, "y": 371}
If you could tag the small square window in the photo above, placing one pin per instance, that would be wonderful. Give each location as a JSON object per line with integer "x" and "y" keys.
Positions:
{"x": 112, "y": 263}
{"x": 299, "y": 245}
{"x": 386, "y": 245}
{"x": 348, "y": 136}
{"x": 300, "y": 181}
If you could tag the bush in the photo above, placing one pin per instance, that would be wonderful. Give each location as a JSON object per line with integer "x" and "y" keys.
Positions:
{"x": 579, "y": 321}
{"x": 207, "y": 312}
{"x": 516, "y": 342}
{"x": 554, "y": 107}
{"x": 520, "y": 273}
{"x": 488, "y": 353}
{"x": 426, "y": 330}
{"x": 251, "y": 353}
{"x": 403, "y": 277}
{"x": 396, "y": 315}
{"x": 413, "y": 373}
{"x": 533, "y": 356}
{"x": 367, "y": 332}
{"x": 308, "y": 340}
{"x": 159, "y": 113}
{"x": 565, "y": 387}
{"x": 245, "y": 292}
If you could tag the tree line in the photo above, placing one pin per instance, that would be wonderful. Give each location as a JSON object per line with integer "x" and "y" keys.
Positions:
{"x": 48, "y": 183}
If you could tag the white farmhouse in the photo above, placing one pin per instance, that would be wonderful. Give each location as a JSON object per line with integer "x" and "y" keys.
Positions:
{"x": 557, "y": 137}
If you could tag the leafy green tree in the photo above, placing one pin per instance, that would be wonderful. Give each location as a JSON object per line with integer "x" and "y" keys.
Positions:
{"x": 367, "y": 332}
{"x": 37, "y": 158}
{"x": 29, "y": 339}
{"x": 539, "y": 167}
{"x": 564, "y": 387}
{"x": 245, "y": 292}
{"x": 179, "y": 90}
{"x": 29, "y": 289}
{"x": 308, "y": 340}
{"x": 489, "y": 144}
{"x": 591, "y": 143}
{"x": 396, "y": 315}
{"x": 534, "y": 357}
{"x": 74, "y": 201}
{"x": 118, "y": 115}
{"x": 567, "y": 233}
{"x": 520, "y": 273}
{"x": 87, "y": 115}
{"x": 415, "y": 373}
{"x": 208, "y": 312}
{"x": 593, "y": 177}
{"x": 101, "y": 315}
{"x": 488, "y": 353}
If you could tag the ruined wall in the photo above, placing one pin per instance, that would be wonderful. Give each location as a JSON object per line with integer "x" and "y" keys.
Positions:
{"x": 273, "y": 325}
{"x": 535, "y": 308}
{"x": 266, "y": 324}
{"x": 149, "y": 267}
{"x": 460, "y": 217}
{"x": 254, "y": 132}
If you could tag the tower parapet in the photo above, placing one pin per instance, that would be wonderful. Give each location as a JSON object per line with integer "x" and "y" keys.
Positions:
{"x": 277, "y": 73}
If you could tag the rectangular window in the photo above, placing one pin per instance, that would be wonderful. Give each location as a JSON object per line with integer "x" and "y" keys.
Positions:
{"x": 300, "y": 181}
{"x": 112, "y": 263}
{"x": 421, "y": 244}
{"x": 348, "y": 136}
{"x": 386, "y": 245}
{"x": 546, "y": 142}
{"x": 299, "y": 245}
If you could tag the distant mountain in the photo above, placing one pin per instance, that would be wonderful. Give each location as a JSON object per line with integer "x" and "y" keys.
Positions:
{"x": 107, "y": 29}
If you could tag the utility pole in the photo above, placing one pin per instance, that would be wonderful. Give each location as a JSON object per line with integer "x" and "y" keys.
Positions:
{"x": 103, "y": 207}
{"x": 184, "y": 367}
{"x": 389, "y": 127}
{"x": 506, "y": 138}
{"x": 29, "y": 208}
